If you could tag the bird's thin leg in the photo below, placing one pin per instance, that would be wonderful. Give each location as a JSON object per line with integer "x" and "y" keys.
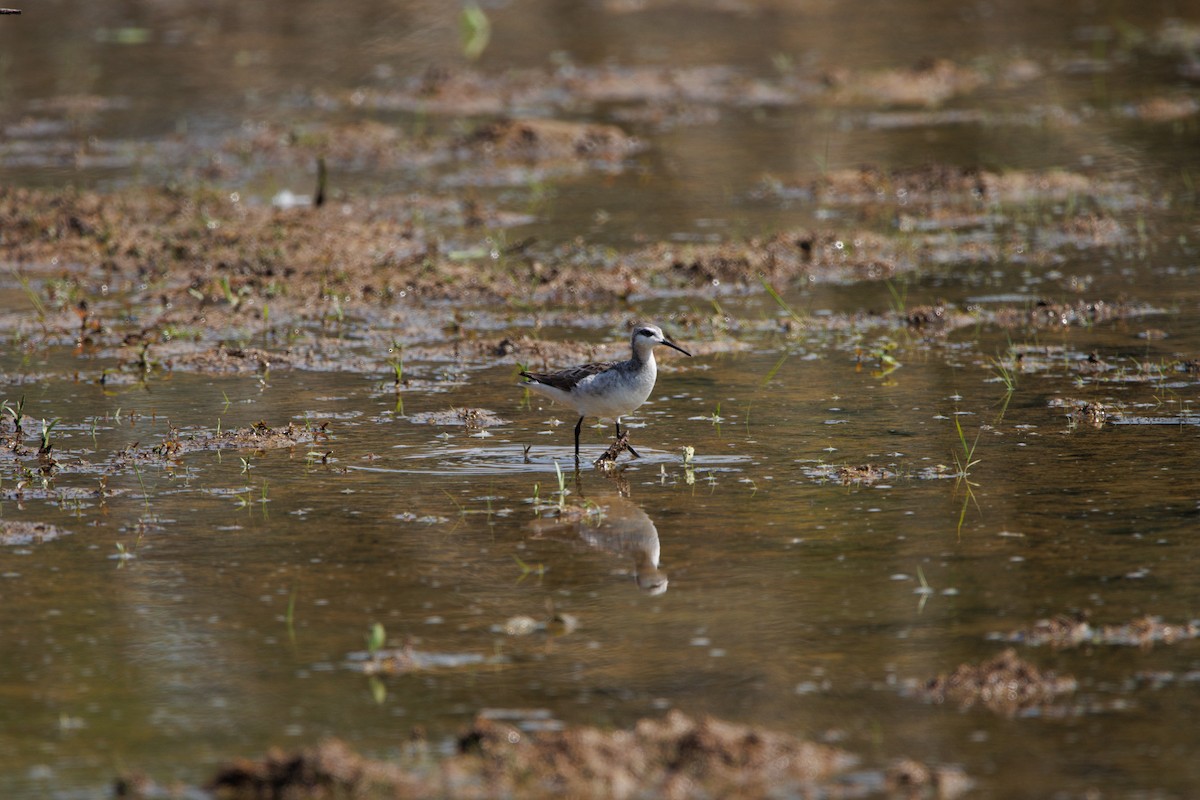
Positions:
{"x": 632, "y": 452}
{"x": 578, "y": 427}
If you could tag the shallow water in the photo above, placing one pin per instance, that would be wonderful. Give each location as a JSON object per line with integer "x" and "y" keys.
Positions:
{"x": 791, "y": 599}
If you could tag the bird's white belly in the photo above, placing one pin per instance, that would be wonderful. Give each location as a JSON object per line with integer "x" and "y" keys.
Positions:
{"x": 612, "y": 394}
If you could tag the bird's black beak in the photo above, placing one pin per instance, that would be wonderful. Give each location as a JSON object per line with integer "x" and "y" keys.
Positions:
{"x": 671, "y": 344}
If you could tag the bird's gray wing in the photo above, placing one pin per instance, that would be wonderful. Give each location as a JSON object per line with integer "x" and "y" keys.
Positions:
{"x": 567, "y": 379}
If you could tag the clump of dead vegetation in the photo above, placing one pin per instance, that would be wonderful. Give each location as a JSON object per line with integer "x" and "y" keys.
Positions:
{"x": 1005, "y": 684}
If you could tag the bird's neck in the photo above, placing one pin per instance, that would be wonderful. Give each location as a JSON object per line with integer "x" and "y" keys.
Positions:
{"x": 643, "y": 355}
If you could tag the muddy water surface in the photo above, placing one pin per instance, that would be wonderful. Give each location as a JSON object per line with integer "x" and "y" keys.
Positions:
{"x": 944, "y": 386}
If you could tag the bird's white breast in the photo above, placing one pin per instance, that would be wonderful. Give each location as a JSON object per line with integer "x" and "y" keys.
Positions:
{"x": 614, "y": 393}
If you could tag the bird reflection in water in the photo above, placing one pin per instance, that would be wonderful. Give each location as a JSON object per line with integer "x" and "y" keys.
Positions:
{"x": 624, "y": 528}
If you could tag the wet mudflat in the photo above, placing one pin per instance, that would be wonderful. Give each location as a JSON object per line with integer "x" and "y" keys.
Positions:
{"x": 916, "y": 519}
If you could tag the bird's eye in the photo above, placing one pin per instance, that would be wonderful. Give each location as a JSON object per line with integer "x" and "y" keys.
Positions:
{"x": 645, "y": 332}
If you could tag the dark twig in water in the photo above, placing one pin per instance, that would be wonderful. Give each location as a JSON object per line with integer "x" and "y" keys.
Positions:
{"x": 619, "y": 445}
{"x": 10, "y": 11}
{"x": 319, "y": 195}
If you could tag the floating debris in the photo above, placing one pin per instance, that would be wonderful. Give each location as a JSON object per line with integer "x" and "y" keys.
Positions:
{"x": 861, "y": 475}
{"x": 17, "y": 532}
{"x": 910, "y": 778}
{"x": 1073, "y": 630}
{"x": 552, "y": 139}
{"x": 259, "y": 436}
{"x": 403, "y": 660}
{"x": 470, "y": 417}
{"x": 1005, "y": 684}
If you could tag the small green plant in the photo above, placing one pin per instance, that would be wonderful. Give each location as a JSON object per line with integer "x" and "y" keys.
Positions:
{"x": 17, "y": 412}
{"x": 227, "y": 290}
{"x": 925, "y": 590}
{"x": 142, "y": 484}
{"x": 290, "y": 617}
{"x": 563, "y": 491}
{"x": 1006, "y": 374}
{"x": 774, "y": 370}
{"x": 47, "y": 427}
{"x": 964, "y": 462}
{"x": 376, "y": 638}
{"x": 245, "y": 500}
{"x": 123, "y": 555}
{"x": 780, "y": 301}
{"x": 397, "y": 365}
{"x": 888, "y": 363}
{"x": 475, "y": 30}
{"x": 379, "y": 690}
{"x": 34, "y": 300}
{"x": 899, "y": 301}
{"x": 337, "y": 313}
{"x": 527, "y": 570}
{"x": 1008, "y": 377}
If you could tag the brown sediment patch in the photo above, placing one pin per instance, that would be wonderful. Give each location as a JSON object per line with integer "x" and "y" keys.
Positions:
{"x": 1074, "y": 630}
{"x": 957, "y": 187}
{"x": 1165, "y": 109}
{"x": 1178, "y": 37}
{"x": 552, "y": 139}
{"x": 1089, "y": 412}
{"x": 910, "y": 778}
{"x": 317, "y": 353}
{"x": 861, "y": 475}
{"x": 576, "y": 88}
{"x": 929, "y": 83}
{"x": 405, "y": 660}
{"x": 1048, "y": 314}
{"x": 697, "y": 84}
{"x": 259, "y": 436}
{"x": 1005, "y": 684}
{"x": 223, "y": 360}
{"x": 580, "y": 88}
{"x": 470, "y": 417}
{"x": 458, "y": 92}
{"x": 821, "y": 256}
{"x": 18, "y": 532}
{"x": 354, "y": 146}
{"x": 937, "y": 318}
{"x": 673, "y": 757}
{"x": 864, "y": 474}
{"x": 532, "y": 351}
